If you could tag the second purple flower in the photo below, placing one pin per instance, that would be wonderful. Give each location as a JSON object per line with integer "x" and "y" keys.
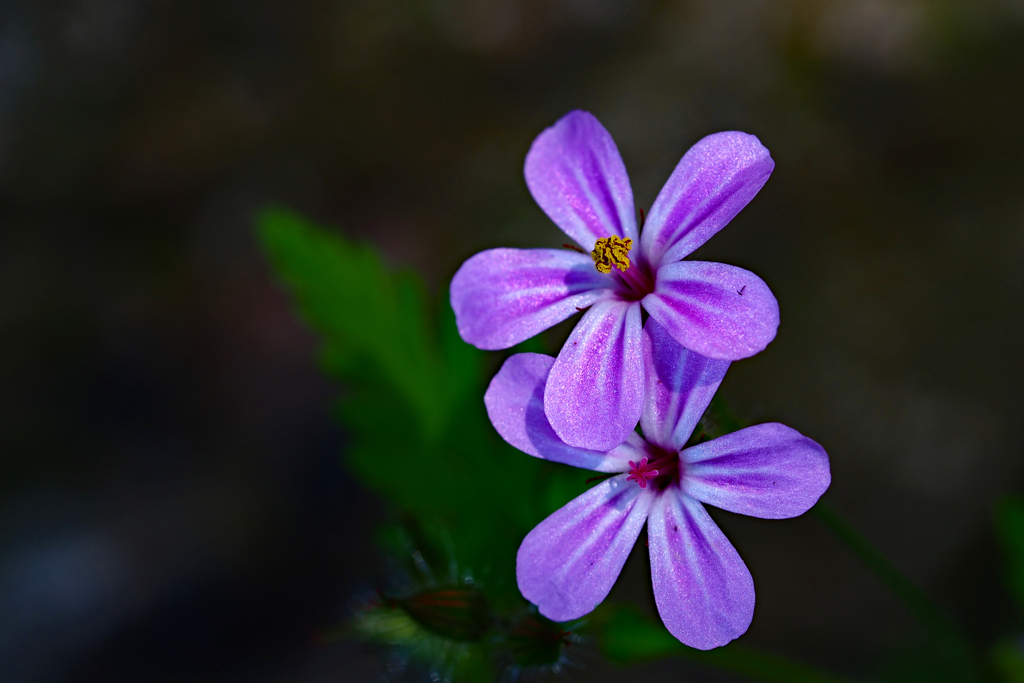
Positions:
{"x": 703, "y": 590}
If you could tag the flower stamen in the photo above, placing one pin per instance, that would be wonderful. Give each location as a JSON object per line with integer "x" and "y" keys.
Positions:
{"x": 639, "y": 473}
{"x": 611, "y": 251}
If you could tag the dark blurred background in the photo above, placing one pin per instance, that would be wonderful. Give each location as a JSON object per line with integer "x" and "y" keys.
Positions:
{"x": 172, "y": 502}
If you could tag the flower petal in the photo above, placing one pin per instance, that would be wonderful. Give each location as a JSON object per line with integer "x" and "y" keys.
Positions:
{"x": 569, "y": 562}
{"x": 576, "y": 175}
{"x": 504, "y": 296}
{"x": 704, "y": 591}
{"x": 713, "y": 181}
{"x": 767, "y": 470}
{"x": 719, "y": 311}
{"x": 515, "y": 404}
{"x": 594, "y": 394}
{"x": 680, "y": 385}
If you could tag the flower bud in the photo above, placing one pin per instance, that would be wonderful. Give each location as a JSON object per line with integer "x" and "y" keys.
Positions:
{"x": 537, "y": 641}
{"x": 457, "y": 613}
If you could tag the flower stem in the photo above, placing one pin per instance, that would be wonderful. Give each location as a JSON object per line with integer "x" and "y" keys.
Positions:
{"x": 629, "y": 637}
{"x": 931, "y": 617}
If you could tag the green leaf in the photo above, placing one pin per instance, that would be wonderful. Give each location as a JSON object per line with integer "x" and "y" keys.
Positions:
{"x": 628, "y": 636}
{"x": 413, "y": 404}
{"x": 365, "y": 313}
{"x": 1010, "y": 534}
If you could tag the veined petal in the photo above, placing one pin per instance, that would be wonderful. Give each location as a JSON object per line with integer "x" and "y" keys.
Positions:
{"x": 504, "y": 296}
{"x": 594, "y": 394}
{"x": 713, "y": 181}
{"x": 515, "y": 404}
{"x": 569, "y": 562}
{"x": 680, "y": 385}
{"x": 704, "y": 591}
{"x": 576, "y": 175}
{"x": 719, "y": 311}
{"x": 767, "y": 470}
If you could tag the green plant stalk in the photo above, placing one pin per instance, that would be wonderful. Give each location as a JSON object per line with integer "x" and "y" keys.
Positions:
{"x": 628, "y": 637}
{"x": 720, "y": 419}
{"x": 931, "y": 617}
{"x": 760, "y": 666}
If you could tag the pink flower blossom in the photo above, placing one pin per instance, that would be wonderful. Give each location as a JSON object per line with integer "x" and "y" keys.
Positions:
{"x": 594, "y": 394}
{"x": 703, "y": 590}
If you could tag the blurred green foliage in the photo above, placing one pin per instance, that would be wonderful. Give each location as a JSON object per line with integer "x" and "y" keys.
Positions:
{"x": 456, "y": 660}
{"x": 1007, "y": 659}
{"x": 1006, "y": 656}
{"x": 1010, "y": 534}
{"x": 413, "y": 404}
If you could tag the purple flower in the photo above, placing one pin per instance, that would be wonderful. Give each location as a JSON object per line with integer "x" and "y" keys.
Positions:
{"x": 501, "y": 297}
{"x": 704, "y": 592}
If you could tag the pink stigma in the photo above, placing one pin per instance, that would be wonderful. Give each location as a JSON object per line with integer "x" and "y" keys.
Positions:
{"x": 640, "y": 474}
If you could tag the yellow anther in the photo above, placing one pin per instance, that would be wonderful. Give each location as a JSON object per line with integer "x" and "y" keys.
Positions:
{"x": 611, "y": 251}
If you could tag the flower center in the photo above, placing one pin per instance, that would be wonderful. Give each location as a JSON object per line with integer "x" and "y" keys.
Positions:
{"x": 659, "y": 472}
{"x": 641, "y": 472}
{"x": 611, "y": 251}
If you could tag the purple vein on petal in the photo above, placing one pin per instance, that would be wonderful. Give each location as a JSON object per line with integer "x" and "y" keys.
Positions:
{"x": 515, "y": 405}
{"x": 679, "y": 387}
{"x": 769, "y": 470}
{"x": 713, "y": 181}
{"x": 717, "y": 310}
{"x": 570, "y": 561}
{"x": 575, "y": 174}
{"x": 594, "y": 393}
{"x": 504, "y": 296}
{"x": 703, "y": 590}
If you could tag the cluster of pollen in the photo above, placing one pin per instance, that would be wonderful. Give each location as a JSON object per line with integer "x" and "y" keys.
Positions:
{"x": 611, "y": 251}
{"x": 639, "y": 473}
